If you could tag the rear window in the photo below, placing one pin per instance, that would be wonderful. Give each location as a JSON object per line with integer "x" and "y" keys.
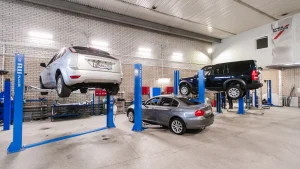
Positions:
{"x": 92, "y": 51}
{"x": 240, "y": 67}
{"x": 187, "y": 101}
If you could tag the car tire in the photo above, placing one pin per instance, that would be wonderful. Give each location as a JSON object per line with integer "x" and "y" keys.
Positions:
{"x": 130, "y": 116}
{"x": 83, "y": 90}
{"x": 42, "y": 87}
{"x": 61, "y": 88}
{"x": 185, "y": 90}
{"x": 177, "y": 126}
{"x": 234, "y": 92}
{"x": 113, "y": 89}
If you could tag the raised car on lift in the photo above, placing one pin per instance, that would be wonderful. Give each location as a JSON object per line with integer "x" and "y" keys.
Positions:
{"x": 74, "y": 68}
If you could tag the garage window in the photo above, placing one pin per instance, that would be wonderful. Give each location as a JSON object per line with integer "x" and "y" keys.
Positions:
{"x": 262, "y": 43}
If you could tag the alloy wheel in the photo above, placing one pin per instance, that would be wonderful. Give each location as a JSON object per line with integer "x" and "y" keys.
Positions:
{"x": 234, "y": 92}
{"x": 184, "y": 90}
{"x": 130, "y": 116}
{"x": 59, "y": 85}
{"x": 176, "y": 126}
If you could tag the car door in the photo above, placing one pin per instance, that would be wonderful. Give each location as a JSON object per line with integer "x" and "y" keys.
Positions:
{"x": 217, "y": 77}
{"x": 164, "y": 110}
{"x": 207, "y": 74}
{"x": 54, "y": 66}
{"x": 148, "y": 109}
{"x": 46, "y": 74}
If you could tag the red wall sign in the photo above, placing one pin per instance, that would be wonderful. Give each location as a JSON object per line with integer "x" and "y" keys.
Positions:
{"x": 100, "y": 92}
{"x": 145, "y": 90}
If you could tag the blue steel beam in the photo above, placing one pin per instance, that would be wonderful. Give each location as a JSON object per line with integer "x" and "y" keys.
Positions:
{"x": 138, "y": 124}
{"x": 176, "y": 82}
{"x": 201, "y": 86}
{"x": 110, "y": 112}
{"x": 7, "y": 105}
{"x": 16, "y": 144}
{"x": 241, "y": 109}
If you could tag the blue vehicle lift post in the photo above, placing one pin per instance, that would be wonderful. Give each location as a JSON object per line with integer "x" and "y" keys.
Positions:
{"x": 269, "y": 92}
{"x": 176, "y": 82}
{"x": 16, "y": 144}
{"x": 138, "y": 123}
{"x": 7, "y": 105}
{"x": 218, "y": 103}
{"x": 201, "y": 86}
{"x": 241, "y": 109}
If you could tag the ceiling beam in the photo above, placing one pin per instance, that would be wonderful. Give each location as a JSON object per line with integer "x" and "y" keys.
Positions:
{"x": 99, "y": 13}
{"x": 255, "y": 9}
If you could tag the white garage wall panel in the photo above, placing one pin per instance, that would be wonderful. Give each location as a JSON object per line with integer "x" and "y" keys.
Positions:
{"x": 18, "y": 18}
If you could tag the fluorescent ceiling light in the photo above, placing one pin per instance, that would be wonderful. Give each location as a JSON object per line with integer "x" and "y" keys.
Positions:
{"x": 288, "y": 64}
{"x": 297, "y": 63}
{"x": 163, "y": 80}
{"x": 177, "y": 54}
{"x": 209, "y": 50}
{"x": 145, "y": 50}
{"x": 42, "y": 35}
{"x": 99, "y": 43}
{"x": 147, "y": 54}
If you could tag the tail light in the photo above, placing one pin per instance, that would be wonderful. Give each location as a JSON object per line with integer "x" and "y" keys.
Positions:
{"x": 72, "y": 50}
{"x": 199, "y": 113}
{"x": 254, "y": 75}
{"x": 75, "y": 76}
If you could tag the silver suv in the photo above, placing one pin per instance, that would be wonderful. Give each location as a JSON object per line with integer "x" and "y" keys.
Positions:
{"x": 81, "y": 68}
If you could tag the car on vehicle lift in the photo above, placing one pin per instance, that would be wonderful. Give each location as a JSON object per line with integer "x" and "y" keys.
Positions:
{"x": 76, "y": 67}
{"x": 177, "y": 113}
{"x": 234, "y": 77}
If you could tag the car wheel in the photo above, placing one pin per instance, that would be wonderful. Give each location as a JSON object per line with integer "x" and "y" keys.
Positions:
{"x": 185, "y": 90}
{"x": 130, "y": 116}
{"x": 113, "y": 89}
{"x": 42, "y": 87}
{"x": 61, "y": 88}
{"x": 234, "y": 92}
{"x": 177, "y": 126}
{"x": 83, "y": 90}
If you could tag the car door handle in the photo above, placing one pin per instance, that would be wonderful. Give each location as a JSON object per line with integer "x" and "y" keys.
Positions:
{"x": 162, "y": 109}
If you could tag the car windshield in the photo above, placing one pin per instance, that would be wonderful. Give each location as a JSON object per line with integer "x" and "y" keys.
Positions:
{"x": 187, "y": 101}
{"x": 92, "y": 51}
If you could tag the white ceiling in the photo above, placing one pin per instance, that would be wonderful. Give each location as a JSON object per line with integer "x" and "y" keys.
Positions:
{"x": 216, "y": 18}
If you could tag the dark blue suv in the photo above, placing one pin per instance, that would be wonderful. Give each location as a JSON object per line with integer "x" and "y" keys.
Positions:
{"x": 234, "y": 77}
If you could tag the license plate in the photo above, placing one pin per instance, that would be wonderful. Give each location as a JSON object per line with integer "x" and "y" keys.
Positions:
{"x": 100, "y": 65}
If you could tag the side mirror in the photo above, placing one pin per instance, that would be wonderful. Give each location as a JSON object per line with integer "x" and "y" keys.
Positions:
{"x": 43, "y": 65}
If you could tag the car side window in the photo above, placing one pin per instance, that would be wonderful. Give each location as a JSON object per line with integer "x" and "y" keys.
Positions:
{"x": 52, "y": 60}
{"x": 174, "y": 103}
{"x": 165, "y": 101}
{"x": 153, "y": 101}
{"x": 61, "y": 53}
{"x": 219, "y": 69}
{"x": 226, "y": 69}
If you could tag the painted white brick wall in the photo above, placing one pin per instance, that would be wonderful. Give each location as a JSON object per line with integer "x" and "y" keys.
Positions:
{"x": 18, "y": 18}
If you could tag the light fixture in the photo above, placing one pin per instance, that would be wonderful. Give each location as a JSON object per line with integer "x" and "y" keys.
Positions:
{"x": 297, "y": 63}
{"x": 288, "y": 64}
{"x": 41, "y": 35}
{"x": 163, "y": 81}
{"x": 177, "y": 54}
{"x": 145, "y": 50}
{"x": 99, "y": 43}
{"x": 209, "y": 50}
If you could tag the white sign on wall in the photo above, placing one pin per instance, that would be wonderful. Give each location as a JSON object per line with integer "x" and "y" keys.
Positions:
{"x": 282, "y": 39}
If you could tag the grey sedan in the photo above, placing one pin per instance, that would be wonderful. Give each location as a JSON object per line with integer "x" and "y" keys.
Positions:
{"x": 177, "y": 113}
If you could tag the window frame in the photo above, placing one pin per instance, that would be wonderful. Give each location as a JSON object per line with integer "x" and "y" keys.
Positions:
{"x": 151, "y": 100}
{"x": 261, "y": 38}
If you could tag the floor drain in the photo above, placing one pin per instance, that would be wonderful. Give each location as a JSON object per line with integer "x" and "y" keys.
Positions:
{"x": 45, "y": 128}
{"x": 105, "y": 138}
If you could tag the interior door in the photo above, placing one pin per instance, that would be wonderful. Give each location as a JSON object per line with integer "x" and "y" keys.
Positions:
{"x": 164, "y": 110}
{"x": 148, "y": 109}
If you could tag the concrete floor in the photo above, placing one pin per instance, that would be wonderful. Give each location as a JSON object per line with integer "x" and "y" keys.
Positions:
{"x": 234, "y": 141}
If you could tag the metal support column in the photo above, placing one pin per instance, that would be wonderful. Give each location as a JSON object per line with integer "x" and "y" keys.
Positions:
{"x": 93, "y": 104}
{"x": 269, "y": 93}
{"x": 219, "y": 103}
{"x": 201, "y": 86}
{"x": 7, "y": 105}
{"x": 176, "y": 82}
{"x": 138, "y": 124}
{"x": 248, "y": 99}
{"x": 241, "y": 109}
{"x": 110, "y": 112}
{"x": 255, "y": 98}
{"x": 16, "y": 144}
{"x": 99, "y": 101}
